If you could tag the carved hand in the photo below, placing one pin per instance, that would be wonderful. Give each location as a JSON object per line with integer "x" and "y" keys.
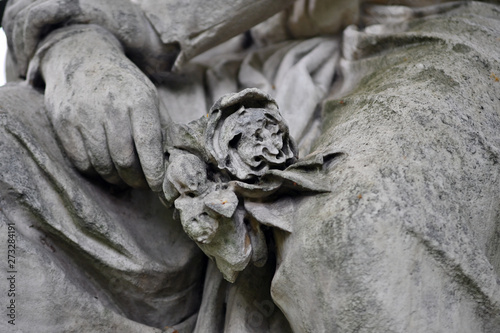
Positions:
{"x": 103, "y": 108}
{"x": 27, "y": 22}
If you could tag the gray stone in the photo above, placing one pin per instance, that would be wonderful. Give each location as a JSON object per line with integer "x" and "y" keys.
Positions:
{"x": 380, "y": 215}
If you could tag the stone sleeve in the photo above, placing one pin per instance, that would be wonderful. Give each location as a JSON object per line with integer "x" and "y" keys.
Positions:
{"x": 27, "y": 22}
{"x": 197, "y": 26}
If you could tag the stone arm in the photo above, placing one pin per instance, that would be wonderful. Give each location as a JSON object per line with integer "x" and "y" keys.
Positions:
{"x": 152, "y": 32}
{"x": 199, "y": 25}
{"x": 92, "y": 55}
{"x": 28, "y": 22}
{"x": 103, "y": 108}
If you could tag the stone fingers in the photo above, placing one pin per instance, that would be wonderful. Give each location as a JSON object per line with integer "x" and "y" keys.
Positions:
{"x": 123, "y": 153}
{"x": 99, "y": 155}
{"x": 72, "y": 141}
{"x": 146, "y": 131}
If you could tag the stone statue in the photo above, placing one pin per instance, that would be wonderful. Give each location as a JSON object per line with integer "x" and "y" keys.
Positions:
{"x": 251, "y": 166}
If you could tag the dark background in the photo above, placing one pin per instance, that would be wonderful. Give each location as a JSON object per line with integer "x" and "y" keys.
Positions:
{"x": 2, "y": 8}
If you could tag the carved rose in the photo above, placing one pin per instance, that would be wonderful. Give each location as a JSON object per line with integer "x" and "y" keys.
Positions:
{"x": 247, "y": 136}
{"x": 223, "y": 170}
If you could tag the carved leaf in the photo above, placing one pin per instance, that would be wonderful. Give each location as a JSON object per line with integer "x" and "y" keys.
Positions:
{"x": 223, "y": 202}
{"x": 278, "y": 214}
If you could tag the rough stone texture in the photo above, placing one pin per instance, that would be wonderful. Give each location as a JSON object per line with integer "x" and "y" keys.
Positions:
{"x": 412, "y": 219}
{"x": 405, "y": 241}
{"x": 85, "y": 250}
{"x": 234, "y": 171}
{"x": 189, "y": 26}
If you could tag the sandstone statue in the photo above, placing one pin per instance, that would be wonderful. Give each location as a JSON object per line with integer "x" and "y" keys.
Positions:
{"x": 250, "y": 166}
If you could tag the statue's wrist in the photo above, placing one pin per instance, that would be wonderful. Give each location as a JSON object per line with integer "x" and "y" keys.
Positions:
{"x": 63, "y": 46}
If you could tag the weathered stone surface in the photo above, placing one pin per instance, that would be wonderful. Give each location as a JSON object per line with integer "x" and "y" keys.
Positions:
{"x": 85, "y": 250}
{"x": 227, "y": 174}
{"x": 412, "y": 218}
{"x": 390, "y": 224}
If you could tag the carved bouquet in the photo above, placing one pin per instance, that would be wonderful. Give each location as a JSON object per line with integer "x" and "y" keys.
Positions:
{"x": 233, "y": 171}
